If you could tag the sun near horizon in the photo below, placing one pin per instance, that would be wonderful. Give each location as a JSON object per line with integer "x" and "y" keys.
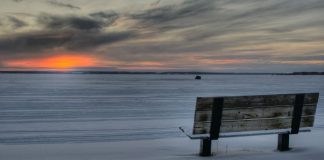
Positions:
{"x": 59, "y": 62}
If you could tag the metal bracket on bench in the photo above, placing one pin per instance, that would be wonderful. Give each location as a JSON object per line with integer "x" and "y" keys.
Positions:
{"x": 297, "y": 113}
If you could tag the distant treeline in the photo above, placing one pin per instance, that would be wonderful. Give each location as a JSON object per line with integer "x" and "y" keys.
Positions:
{"x": 183, "y": 73}
{"x": 307, "y": 73}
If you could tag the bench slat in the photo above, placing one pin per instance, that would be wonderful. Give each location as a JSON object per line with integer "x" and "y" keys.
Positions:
{"x": 252, "y": 125}
{"x": 255, "y": 113}
{"x": 205, "y": 103}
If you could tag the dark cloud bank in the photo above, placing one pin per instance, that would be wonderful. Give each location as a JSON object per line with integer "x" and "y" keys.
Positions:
{"x": 95, "y": 21}
{"x": 73, "y": 33}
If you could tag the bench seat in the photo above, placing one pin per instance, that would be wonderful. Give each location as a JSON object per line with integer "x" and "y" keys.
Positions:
{"x": 240, "y": 134}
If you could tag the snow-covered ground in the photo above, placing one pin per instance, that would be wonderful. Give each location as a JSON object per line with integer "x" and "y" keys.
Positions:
{"x": 305, "y": 146}
{"x": 69, "y": 116}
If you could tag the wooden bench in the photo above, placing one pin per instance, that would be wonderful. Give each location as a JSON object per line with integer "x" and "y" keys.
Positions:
{"x": 233, "y": 116}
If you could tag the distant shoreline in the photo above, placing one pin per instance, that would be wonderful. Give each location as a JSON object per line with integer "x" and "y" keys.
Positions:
{"x": 161, "y": 73}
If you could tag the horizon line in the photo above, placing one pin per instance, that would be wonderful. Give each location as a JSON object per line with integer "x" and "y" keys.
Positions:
{"x": 164, "y": 72}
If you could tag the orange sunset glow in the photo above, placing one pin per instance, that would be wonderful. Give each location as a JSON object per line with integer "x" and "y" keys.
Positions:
{"x": 64, "y": 61}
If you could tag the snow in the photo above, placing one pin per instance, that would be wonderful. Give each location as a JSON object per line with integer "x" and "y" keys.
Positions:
{"x": 308, "y": 145}
{"x": 62, "y": 116}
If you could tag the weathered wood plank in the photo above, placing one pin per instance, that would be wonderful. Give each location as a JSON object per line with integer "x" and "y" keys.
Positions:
{"x": 205, "y": 103}
{"x": 255, "y": 113}
{"x": 247, "y": 113}
{"x": 309, "y": 110}
{"x": 252, "y": 101}
{"x": 252, "y": 125}
{"x": 311, "y": 98}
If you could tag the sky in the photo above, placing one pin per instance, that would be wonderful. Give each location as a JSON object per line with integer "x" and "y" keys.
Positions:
{"x": 162, "y": 35}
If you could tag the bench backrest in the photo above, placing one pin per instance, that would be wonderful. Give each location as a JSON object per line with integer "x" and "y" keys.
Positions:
{"x": 216, "y": 115}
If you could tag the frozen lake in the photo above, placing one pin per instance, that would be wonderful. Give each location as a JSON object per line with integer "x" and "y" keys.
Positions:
{"x": 77, "y": 108}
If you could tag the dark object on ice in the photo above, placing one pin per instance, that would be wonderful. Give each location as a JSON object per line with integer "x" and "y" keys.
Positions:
{"x": 235, "y": 116}
{"x": 198, "y": 77}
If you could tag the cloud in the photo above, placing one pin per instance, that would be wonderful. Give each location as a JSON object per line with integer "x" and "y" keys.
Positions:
{"x": 107, "y": 17}
{"x": 93, "y": 40}
{"x": 17, "y": 1}
{"x": 32, "y": 42}
{"x": 70, "y": 40}
{"x": 12, "y": 22}
{"x": 163, "y": 14}
{"x": 95, "y": 21}
{"x": 16, "y": 23}
{"x": 63, "y": 5}
{"x": 78, "y": 23}
{"x": 67, "y": 33}
{"x": 200, "y": 20}
{"x": 156, "y": 3}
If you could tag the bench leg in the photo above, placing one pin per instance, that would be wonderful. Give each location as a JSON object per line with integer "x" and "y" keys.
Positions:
{"x": 283, "y": 142}
{"x": 205, "y": 147}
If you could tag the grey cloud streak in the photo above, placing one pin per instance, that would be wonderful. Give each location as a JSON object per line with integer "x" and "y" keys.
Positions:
{"x": 96, "y": 21}
{"x": 61, "y": 4}
{"x": 214, "y": 19}
{"x": 12, "y": 22}
{"x": 16, "y": 22}
{"x": 174, "y": 12}
{"x": 17, "y": 1}
{"x": 47, "y": 41}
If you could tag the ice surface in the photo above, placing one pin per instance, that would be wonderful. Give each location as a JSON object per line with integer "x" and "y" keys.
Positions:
{"x": 69, "y": 108}
{"x": 64, "y": 116}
